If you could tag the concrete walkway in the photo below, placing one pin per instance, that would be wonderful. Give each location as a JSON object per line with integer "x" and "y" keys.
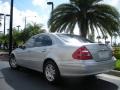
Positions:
{"x": 114, "y": 72}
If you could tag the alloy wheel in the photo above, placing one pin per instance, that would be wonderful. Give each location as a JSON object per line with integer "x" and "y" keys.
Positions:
{"x": 50, "y": 72}
{"x": 12, "y": 62}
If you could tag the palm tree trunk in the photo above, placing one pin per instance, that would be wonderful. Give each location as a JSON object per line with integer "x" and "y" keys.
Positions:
{"x": 83, "y": 29}
{"x": 84, "y": 25}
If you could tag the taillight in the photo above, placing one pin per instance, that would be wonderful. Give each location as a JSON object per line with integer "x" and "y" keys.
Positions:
{"x": 82, "y": 54}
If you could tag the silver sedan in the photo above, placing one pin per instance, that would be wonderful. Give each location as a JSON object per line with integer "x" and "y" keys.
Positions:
{"x": 57, "y": 55}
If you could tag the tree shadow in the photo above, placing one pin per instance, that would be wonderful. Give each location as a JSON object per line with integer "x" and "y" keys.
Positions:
{"x": 26, "y": 79}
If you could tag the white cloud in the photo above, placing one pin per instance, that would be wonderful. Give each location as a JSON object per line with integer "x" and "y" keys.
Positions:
{"x": 4, "y": 7}
{"x": 33, "y": 17}
{"x": 41, "y": 3}
{"x": 112, "y": 2}
{"x": 115, "y": 3}
{"x": 19, "y": 16}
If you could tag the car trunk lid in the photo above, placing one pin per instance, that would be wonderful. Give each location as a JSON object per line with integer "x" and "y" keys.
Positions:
{"x": 100, "y": 52}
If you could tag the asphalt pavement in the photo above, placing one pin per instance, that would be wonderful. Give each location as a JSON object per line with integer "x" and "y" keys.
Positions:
{"x": 25, "y": 79}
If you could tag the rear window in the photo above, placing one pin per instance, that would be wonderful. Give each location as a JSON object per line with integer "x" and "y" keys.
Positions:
{"x": 73, "y": 39}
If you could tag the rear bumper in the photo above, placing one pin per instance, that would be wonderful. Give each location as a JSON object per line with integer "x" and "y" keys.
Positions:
{"x": 86, "y": 68}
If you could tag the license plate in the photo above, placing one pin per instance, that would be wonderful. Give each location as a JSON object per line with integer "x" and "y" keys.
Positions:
{"x": 103, "y": 54}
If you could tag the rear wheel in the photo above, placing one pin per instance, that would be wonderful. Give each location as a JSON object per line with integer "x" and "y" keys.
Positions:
{"x": 51, "y": 72}
{"x": 12, "y": 62}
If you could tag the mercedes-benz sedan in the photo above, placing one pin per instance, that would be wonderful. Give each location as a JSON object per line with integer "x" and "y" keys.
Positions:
{"x": 57, "y": 55}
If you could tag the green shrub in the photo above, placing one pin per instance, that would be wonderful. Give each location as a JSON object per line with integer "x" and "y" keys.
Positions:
{"x": 117, "y": 52}
{"x": 117, "y": 65}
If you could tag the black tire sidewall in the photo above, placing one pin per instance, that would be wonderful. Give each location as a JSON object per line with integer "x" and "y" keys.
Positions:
{"x": 10, "y": 62}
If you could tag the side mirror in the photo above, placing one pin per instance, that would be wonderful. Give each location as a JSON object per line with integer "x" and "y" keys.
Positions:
{"x": 22, "y": 47}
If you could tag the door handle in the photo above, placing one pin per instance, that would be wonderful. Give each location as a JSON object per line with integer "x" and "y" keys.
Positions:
{"x": 44, "y": 50}
{"x": 28, "y": 50}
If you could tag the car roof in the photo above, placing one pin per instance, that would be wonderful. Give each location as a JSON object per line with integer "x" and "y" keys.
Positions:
{"x": 50, "y": 33}
{"x": 56, "y": 34}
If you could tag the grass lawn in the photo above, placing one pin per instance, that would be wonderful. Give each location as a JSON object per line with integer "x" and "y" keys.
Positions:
{"x": 117, "y": 66}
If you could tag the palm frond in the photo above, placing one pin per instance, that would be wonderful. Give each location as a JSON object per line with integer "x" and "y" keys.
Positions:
{"x": 89, "y": 15}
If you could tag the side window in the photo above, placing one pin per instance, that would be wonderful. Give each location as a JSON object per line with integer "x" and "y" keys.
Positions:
{"x": 43, "y": 40}
{"x": 46, "y": 41}
{"x": 30, "y": 43}
{"x": 38, "y": 41}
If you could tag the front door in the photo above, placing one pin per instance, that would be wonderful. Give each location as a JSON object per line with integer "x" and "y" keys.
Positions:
{"x": 41, "y": 48}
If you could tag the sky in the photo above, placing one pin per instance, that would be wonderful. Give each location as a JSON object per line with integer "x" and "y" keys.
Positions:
{"x": 35, "y": 11}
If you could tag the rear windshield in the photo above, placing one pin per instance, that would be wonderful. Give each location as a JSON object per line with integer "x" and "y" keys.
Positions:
{"x": 73, "y": 39}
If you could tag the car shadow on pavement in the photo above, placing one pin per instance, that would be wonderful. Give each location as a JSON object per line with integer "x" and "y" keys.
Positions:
{"x": 26, "y": 79}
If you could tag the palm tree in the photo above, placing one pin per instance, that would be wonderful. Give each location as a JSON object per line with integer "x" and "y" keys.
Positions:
{"x": 115, "y": 38}
{"x": 98, "y": 37}
{"x": 105, "y": 37}
{"x": 30, "y": 30}
{"x": 89, "y": 15}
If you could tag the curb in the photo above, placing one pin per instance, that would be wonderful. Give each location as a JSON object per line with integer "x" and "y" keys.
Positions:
{"x": 114, "y": 72}
{"x": 4, "y": 56}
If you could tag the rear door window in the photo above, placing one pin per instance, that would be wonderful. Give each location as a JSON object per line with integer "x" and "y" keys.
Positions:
{"x": 42, "y": 40}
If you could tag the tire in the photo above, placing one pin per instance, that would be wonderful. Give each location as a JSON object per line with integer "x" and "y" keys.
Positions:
{"x": 90, "y": 78}
{"x": 51, "y": 72}
{"x": 12, "y": 62}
